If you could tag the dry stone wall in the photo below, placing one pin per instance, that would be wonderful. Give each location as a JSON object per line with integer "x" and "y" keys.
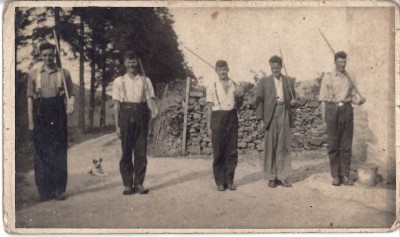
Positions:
{"x": 308, "y": 132}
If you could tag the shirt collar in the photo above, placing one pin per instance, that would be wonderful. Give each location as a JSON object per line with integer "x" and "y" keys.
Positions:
{"x": 339, "y": 74}
{"x": 42, "y": 68}
{"x": 229, "y": 81}
{"x": 132, "y": 78}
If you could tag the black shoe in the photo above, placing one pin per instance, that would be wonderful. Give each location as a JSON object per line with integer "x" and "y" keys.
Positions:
{"x": 346, "y": 181}
{"x": 231, "y": 187}
{"x": 272, "y": 183}
{"x": 128, "y": 191}
{"x": 59, "y": 196}
{"x": 221, "y": 187}
{"x": 336, "y": 181}
{"x": 141, "y": 190}
{"x": 286, "y": 183}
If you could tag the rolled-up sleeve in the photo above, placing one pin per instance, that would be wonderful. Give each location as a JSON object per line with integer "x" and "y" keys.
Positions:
{"x": 70, "y": 85}
{"x": 323, "y": 92}
{"x": 259, "y": 103}
{"x": 116, "y": 89}
{"x": 30, "y": 85}
{"x": 210, "y": 93}
{"x": 150, "y": 89}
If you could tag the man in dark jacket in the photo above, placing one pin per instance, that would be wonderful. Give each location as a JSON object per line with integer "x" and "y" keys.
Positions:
{"x": 275, "y": 99}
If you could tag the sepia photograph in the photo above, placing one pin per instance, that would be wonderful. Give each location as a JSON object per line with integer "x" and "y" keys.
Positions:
{"x": 200, "y": 117}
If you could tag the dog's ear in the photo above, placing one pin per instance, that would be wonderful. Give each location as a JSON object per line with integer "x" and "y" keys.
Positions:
{"x": 94, "y": 161}
{"x": 101, "y": 159}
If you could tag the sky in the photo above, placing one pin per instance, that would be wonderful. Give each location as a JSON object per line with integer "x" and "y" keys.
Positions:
{"x": 248, "y": 37}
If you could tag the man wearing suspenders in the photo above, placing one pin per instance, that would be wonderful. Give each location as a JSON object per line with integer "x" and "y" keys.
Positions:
{"x": 47, "y": 116}
{"x": 222, "y": 125}
{"x": 275, "y": 99}
{"x": 338, "y": 91}
{"x": 131, "y": 93}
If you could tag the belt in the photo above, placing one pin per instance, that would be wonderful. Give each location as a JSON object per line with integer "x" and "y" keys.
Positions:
{"x": 280, "y": 102}
{"x": 129, "y": 105}
{"x": 341, "y": 103}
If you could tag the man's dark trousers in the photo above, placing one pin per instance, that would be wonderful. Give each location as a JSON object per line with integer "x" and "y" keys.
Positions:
{"x": 133, "y": 123}
{"x": 224, "y": 126}
{"x": 340, "y": 126}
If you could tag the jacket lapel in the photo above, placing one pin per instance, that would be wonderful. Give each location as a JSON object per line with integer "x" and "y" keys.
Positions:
{"x": 272, "y": 86}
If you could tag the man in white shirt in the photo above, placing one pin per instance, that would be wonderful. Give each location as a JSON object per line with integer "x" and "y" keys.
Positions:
{"x": 222, "y": 125}
{"x": 131, "y": 92}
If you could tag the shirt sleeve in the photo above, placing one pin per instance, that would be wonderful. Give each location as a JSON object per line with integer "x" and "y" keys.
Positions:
{"x": 210, "y": 93}
{"x": 150, "y": 88}
{"x": 116, "y": 89}
{"x": 323, "y": 92}
{"x": 30, "y": 87}
{"x": 259, "y": 103}
{"x": 68, "y": 81}
{"x": 354, "y": 90}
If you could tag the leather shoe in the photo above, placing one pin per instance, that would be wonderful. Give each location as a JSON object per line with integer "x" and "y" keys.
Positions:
{"x": 128, "y": 191}
{"x": 141, "y": 190}
{"x": 336, "y": 181}
{"x": 231, "y": 187}
{"x": 221, "y": 187}
{"x": 346, "y": 181}
{"x": 286, "y": 183}
{"x": 272, "y": 183}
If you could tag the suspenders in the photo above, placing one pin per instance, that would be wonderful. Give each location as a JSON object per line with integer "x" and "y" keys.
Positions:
{"x": 38, "y": 82}
{"x": 144, "y": 91}
{"x": 216, "y": 93}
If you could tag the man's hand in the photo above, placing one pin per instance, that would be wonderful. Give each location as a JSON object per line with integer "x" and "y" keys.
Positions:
{"x": 324, "y": 125}
{"x": 70, "y": 108}
{"x": 209, "y": 131}
{"x": 118, "y": 131}
{"x": 362, "y": 100}
{"x": 261, "y": 126}
{"x": 30, "y": 126}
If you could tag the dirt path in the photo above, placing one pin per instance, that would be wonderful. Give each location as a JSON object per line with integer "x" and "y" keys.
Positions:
{"x": 183, "y": 194}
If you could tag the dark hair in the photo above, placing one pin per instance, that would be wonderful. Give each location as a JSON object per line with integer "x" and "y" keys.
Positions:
{"x": 275, "y": 59}
{"x": 221, "y": 63}
{"x": 340, "y": 54}
{"x": 45, "y": 46}
{"x": 130, "y": 55}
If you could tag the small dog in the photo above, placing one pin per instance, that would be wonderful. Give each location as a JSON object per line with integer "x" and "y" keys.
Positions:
{"x": 96, "y": 168}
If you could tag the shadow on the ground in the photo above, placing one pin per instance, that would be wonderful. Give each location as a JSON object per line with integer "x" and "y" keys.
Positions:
{"x": 297, "y": 175}
{"x": 182, "y": 179}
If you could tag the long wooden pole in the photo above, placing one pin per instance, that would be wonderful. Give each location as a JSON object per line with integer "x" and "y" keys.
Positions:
{"x": 161, "y": 111}
{"x": 284, "y": 68}
{"x": 333, "y": 52}
{"x": 185, "y": 116}
{"x": 62, "y": 71}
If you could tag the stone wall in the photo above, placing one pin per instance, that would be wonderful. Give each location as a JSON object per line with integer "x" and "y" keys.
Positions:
{"x": 308, "y": 132}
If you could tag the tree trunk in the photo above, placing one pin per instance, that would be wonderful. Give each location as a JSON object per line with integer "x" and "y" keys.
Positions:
{"x": 103, "y": 99}
{"x": 81, "y": 76}
{"x": 92, "y": 90}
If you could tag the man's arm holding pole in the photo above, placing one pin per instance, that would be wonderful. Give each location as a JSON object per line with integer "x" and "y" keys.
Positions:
{"x": 70, "y": 100}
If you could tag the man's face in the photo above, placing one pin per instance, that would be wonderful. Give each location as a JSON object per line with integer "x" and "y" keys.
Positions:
{"x": 131, "y": 65}
{"x": 222, "y": 72}
{"x": 340, "y": 64}
{"x": 47, "y": 57}
{"x": 276, "y": 69}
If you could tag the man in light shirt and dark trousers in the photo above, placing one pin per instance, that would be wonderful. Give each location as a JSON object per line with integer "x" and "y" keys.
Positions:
{"x": 131, "y": 92}
{"x": 223, "y": 100}
{"x": 275, "y": 99}
{"x": 338, "y": 92}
